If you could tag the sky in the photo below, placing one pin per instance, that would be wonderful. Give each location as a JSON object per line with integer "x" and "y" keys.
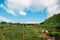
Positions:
{"x": 28, "y": 11}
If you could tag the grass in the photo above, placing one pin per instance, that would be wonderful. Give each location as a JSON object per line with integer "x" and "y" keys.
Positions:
{"x": 13, "y": 32}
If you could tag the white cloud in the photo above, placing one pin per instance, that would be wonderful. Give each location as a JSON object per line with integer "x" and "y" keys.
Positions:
{"x": 4, "y": 19}
{"x": 53, "y": 6}
{"x": 11, "y": 12}
{"x": 53, "y": 10}
{"x": 8, "y": 10}
{"x": 16, "y": 6}
{"x": 13, "y": 6}
{"x": 36, "y": 5}
{"x": 22, "y": 13}
{"x": 48, "y": 2}
{"x": 31, "y": 22}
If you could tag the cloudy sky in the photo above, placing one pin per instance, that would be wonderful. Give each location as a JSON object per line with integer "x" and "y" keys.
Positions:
{"x": 28, "y": 11}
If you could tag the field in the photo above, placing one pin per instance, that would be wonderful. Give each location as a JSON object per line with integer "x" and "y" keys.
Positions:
{"x": 15, "y": 32}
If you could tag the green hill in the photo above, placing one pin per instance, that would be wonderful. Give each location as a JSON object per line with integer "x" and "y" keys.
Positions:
{"x": 52, "y": 23}
{"x": 55, "y": 19}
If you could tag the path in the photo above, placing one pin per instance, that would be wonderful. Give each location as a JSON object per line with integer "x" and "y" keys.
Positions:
{"x": 2, "y": 33}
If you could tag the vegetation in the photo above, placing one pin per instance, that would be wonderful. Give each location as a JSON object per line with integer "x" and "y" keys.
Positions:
{"x": 17, "y": 31}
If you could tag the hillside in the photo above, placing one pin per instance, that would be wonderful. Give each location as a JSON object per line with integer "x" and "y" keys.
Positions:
{"x": 55, "y": 19}
{"x": 52, "y": 23}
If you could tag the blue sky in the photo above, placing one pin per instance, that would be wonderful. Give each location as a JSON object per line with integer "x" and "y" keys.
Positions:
{"x": 24, "y": 11}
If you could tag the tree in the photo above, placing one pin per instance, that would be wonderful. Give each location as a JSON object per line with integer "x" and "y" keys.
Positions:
{"x": 3, "y": 22}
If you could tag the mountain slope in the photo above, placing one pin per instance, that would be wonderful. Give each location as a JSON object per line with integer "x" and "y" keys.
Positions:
{"x": 55, "y": 19}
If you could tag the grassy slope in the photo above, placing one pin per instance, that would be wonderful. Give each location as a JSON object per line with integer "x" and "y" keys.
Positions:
{"x": 53, "y": 20}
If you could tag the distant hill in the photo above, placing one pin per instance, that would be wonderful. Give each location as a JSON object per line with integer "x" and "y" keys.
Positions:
{"x": 55, "y": 19}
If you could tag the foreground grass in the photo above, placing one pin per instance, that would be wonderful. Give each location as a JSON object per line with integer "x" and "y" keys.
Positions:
{"x": 13, "y": 32}
{"x": 20, "y": 33}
